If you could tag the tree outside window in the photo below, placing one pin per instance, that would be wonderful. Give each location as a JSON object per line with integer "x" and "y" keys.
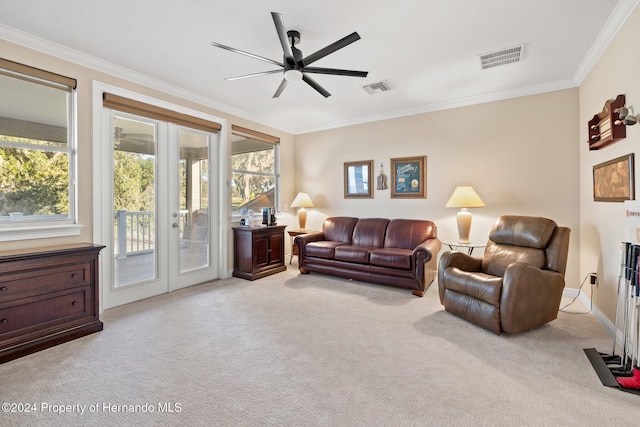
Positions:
{"x": 254, "y": 179}
{"x": 36, "y": 145}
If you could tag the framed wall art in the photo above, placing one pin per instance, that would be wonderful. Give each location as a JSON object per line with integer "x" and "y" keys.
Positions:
{"x": 613, "y": 181}
{"x": 409, "y": 177}
{"x": 358, "y": 177}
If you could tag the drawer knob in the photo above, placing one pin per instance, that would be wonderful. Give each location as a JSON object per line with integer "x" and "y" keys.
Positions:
{"x": 74, "y": 275}
{"x": 3, "y": 288}
{"x": 3, "y": 321}
{"x": 74, "y": 303}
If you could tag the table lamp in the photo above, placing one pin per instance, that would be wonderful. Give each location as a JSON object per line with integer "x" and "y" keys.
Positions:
{"x": 302, "y": 201}
{"x": 464, "y": 197}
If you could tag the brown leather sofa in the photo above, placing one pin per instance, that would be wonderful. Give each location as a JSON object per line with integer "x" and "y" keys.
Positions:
{"x": 397, "y": 252}
{"x": 518, "y": 283}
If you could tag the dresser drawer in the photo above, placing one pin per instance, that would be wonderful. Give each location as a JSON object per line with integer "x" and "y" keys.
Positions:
{"x": 22, "y": 316}
{"x": 51, "y": 278}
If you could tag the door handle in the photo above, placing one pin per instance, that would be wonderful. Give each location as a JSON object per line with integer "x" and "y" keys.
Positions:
{"x": 175, "y": 225}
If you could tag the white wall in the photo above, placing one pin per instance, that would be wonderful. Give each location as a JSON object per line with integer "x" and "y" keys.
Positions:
{"x": 602, "y": 224}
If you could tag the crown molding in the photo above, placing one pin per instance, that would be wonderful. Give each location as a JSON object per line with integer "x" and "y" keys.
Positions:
{"x": 618, "y": 17}
{"x": 620, "y": 14}
{"x": 47, "y": 47}
{"x": 445, "y": 105}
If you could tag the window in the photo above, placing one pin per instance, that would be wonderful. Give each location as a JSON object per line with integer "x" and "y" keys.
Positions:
{"x": 37, "y": 152}
{"x": 254, "y": 168}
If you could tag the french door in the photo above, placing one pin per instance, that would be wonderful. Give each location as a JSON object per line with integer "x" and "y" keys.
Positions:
{"x": 163, "y": 231}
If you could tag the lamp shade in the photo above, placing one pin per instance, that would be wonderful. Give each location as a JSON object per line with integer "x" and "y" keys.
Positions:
{"x": 465, "y": 196}
{"x": 303, "y": 200}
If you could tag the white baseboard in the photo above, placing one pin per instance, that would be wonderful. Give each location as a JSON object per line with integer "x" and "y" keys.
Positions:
{"x": 595, "y": 311}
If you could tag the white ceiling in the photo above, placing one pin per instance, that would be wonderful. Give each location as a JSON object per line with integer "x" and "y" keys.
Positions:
{"x": 427, "y": 50}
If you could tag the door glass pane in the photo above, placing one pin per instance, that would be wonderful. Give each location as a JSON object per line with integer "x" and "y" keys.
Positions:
{"x": 194, "y": 199}
{"x": 134, "y": 202}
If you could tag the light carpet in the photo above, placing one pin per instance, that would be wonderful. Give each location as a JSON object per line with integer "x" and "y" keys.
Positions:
{"x": 311, "y": 350}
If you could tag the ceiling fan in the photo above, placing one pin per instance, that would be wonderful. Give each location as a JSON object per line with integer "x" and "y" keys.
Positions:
{"x": 294, "y": 66}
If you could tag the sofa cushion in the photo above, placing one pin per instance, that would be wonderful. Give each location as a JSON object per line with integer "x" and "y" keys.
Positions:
{"x": 391, "y": 257}
{"x": 352, "y": 253}
{"x": 408, "y": 233}
{"x": 321, "y": 249}
{"x": 370, "y": 232}
{"x": 339, "y": 229}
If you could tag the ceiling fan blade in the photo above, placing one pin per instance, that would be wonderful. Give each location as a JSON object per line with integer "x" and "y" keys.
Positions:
{"x": 283, "y": 84}
{"x": 315, "y": 85}
{"x": 278, "y": 20}
{"x": 253, "y": 75}
{"x": 251, "y": 55}
{"x": 335, "y": 71}
{"x": 345, "y": 41}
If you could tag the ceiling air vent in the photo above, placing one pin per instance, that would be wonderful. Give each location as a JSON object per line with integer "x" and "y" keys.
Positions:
{"x": 501, "y": 57}
{"x": 380, "y": 86}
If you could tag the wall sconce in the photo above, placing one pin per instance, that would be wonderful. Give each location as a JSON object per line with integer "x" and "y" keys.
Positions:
{"x": 464, "y": 197}
{"x": 626, "y": 116}
{"x": 302, "y": 201}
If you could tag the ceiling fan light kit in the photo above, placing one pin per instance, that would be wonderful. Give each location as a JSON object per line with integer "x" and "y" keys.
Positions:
{"x": 295, "y": 66}
{"x": 293, "y": 75}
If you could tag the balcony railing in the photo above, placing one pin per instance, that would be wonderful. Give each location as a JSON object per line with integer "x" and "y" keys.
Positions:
{"x": 135, "y": 232}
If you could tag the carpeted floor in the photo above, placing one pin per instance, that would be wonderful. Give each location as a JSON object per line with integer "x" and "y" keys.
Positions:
{"x": 311, "y": 350}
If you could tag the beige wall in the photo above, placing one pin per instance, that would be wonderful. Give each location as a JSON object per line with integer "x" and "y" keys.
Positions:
{"x": 86, "y": 77}
{"x": 602, "y": 224}
{"x": 521, "y": 156}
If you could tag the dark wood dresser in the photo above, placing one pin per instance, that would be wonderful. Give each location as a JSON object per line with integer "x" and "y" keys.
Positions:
{"x": 47, "y": 296}
{"x": 258, "y": 251}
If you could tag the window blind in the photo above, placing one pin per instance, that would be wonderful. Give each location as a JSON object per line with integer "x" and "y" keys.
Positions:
{"x": 255, "y": 135}
{"x": 127, "y": 105}
{"x": 47, "y": 78}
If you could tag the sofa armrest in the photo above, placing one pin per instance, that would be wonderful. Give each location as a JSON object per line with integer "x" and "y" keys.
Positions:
{"x": 301, "y": 241}
{"x": 426, "y": 250}
{"x": 530, "y": 297}
{"x": 311, "y": 237}
{"x": 458, "y": 260}
{"x": 423, "y": 259}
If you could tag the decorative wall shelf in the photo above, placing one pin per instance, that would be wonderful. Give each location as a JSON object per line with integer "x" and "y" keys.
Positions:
{"x": 605, "y": 128}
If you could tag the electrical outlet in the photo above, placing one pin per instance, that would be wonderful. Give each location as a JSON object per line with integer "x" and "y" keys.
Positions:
{"x": 594, "y": 278}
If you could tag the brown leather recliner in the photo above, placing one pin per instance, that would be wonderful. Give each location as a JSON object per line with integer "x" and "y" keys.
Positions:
{"x": 518, "y": 283}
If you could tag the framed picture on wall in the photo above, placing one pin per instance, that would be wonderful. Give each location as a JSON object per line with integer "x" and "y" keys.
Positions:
{"x": 613, "y": 181}
{"x": 358, "y": 180}
{"x": 409, "y": 177}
